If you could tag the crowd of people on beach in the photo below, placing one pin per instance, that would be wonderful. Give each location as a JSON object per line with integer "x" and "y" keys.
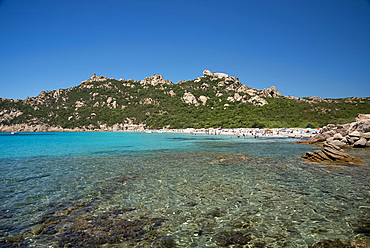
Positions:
{"x": 297, "y": 133}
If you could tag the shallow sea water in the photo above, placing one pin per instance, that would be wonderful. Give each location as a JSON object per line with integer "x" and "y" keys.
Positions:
{"x": 175, "y": 190}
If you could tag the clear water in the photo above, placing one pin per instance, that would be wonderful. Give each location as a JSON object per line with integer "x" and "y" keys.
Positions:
{"x": 120, "y": 189}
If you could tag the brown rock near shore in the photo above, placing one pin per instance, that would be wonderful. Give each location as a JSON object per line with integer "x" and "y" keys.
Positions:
{"x": 331, "y": 153}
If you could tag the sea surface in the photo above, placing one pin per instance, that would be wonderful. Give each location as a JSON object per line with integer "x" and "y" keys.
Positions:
{"x": 127, "y": 189}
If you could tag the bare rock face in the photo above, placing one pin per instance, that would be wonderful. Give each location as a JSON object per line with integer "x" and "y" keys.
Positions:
{"x": 171, "y": 92}
{"x": 366, "y": 135}
{"x": 362, "y": 126}
{"x": 147, "y": 101}
{"x": 360, "y": 143}
{"x": 321, "y": 137}
{"x": 95, "y": 78}
{"x": 9, "y": 114}
{"x": 339, "y": 143}
{"x": 218, "y": 75}
{"x": 215, "y": 74}
{"x": 271, "y": 92}
{"x": 207, "y": 73}
{"x": 331, "y": 153}
{"x": 316, "y": 99}
{"x": 338, "y": 136}
{"x": 257, "y": 101}
{"x": 233, "y": 84}
{"x": 155, "y": 80}
{"x": 362, "y": 117}
{"x": 190, "y": 99}
{"x": 203, "y": 99}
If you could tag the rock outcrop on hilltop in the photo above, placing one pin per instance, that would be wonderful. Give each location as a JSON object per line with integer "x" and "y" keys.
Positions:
{"x": 155, "y": 80}
{"x": 271, "y": 92}
{"x": 219, "y": 75}
{"x": 95, "y": 78}
{"x": 255, "y": 97}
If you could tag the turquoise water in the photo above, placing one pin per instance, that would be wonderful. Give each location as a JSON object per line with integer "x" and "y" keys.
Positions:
{"x": 126, "y": 189}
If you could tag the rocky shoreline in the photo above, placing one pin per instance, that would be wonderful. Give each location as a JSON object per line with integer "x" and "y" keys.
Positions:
{"x": 48, "y": 128}
{"x": 331, "y": 153}
{"x": 335, "y": 137}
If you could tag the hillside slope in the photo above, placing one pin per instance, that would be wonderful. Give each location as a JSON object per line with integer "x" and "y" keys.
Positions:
{"x": 212, "y": 100}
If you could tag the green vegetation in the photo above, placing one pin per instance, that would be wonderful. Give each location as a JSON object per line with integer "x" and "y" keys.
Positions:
{"x": 110, "y": 102}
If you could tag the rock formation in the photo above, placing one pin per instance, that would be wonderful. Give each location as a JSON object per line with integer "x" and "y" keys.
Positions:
{"x": 155, "y": 80}
{"x": 271, "y": 92}
{"x": 257, "y": 101}
{"x": 331, "y": 153}
{"x": 355, "y": 134}
{"x": 219, "y": 75}
{"x": 189, "y": 98}
{"x": 95, "y": 78}
{"x": 333, "y": 137}
{"x": 203, "y": 99}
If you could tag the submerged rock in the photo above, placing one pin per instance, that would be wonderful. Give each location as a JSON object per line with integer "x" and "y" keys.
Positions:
{"x": 164, "y": 242}
{"x": 226, "y": 238}
{"x": 340, "y": 243}
{"x": 363, "y": 228}
{"x": 80, "y": 228}
{"x": 231, "y": 159}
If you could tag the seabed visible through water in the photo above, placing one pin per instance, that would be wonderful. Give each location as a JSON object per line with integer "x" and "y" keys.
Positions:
{"x": 171, "y": 190}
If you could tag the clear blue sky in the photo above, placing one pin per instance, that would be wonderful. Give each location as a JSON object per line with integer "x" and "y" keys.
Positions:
{"x": 304, "y": 48}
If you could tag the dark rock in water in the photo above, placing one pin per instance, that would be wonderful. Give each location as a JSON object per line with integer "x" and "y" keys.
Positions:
{"x": 363, "y": 228}
{"x": 241, "y": 224}
{"x": 125, "y": 178}
{"x": 158, "y": 222}
{"x": 333, "y": 244}
{"x": 122, "y": 210}
{"x": 215, "y": 213}
{"x": 75, "y": 227}
{"x": 15, "y": 242}
{"x": 191, "y": 204}
{"x": 338, "y": 243}
{"x": 232, "y": 238}
{"x": 164, "y": 242}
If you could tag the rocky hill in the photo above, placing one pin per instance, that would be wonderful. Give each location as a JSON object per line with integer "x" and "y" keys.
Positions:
{"x": 212, "y": 100}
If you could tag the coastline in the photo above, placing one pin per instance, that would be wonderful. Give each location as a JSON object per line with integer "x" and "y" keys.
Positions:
{"x": 302, "y": 133}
